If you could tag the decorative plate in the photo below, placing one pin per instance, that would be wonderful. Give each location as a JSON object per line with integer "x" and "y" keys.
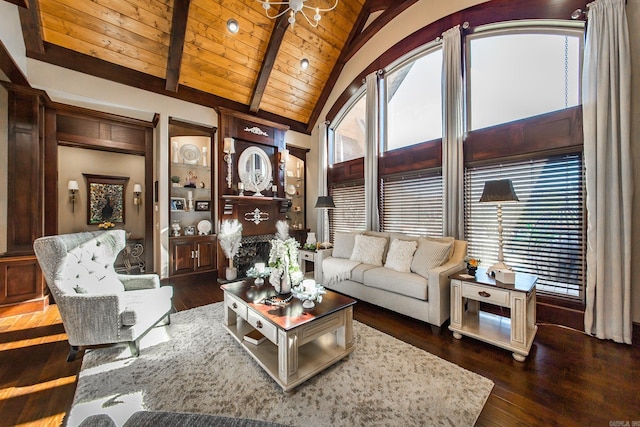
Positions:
{"x": 291, "y": 189}
{"x": 190, "y": 154}
{"x": 204, "y": 227}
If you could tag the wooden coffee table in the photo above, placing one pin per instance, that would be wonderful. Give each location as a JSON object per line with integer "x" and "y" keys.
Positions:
{"x": 300, "y": 342}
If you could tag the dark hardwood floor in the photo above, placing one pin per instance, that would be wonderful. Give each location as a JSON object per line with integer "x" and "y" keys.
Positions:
{"x": 568, "y": 379}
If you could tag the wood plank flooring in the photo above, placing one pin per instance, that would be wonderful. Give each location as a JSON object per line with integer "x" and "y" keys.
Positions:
{"x": 568, "y": 379}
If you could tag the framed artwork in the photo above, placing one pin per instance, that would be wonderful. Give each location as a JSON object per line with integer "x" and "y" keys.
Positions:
{"x": 202, "y": 205}
{"x": 178, "y": 204}
{"x": 105, "y": 198}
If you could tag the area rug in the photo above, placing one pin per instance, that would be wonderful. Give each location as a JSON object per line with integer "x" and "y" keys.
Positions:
{"x": 194, "y": 365}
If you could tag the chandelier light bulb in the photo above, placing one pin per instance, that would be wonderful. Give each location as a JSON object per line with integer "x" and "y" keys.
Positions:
{"x": 292, "y": 18}
{"x": 295, "y": 6}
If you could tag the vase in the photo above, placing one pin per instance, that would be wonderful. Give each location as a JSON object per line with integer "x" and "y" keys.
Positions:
{"x": 311, "y": 238}
{"x": 231, "y": 273}
{"x": 471, "y": 270}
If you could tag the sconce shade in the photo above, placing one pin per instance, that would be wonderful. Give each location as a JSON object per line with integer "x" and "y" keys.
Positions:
{"x": 229, "y": 146}
{"x": 73, "y": 186}
{"x": 137, "y": 188}
{"x": 325, "y": 202}
{"x": 284, "y": 156}
{"x": 499, "y": 191}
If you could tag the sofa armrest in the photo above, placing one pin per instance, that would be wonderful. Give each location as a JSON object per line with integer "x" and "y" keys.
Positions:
{"x": 440, "y": 292}
{"x": 139, "y": 281}
{"x": 93, "y": 319}
{"x": 321, "y": 255}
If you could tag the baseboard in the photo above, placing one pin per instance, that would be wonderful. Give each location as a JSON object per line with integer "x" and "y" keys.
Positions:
{"x": 30, "y": 306}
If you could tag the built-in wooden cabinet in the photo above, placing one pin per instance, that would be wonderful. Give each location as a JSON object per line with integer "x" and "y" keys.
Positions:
{"x": 192, "y": 254}
{"x": 192, "y": 242}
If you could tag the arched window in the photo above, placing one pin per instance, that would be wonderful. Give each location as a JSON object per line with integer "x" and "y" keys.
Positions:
{"x": 348, "y": 137}
{"x": 514, "y": 73}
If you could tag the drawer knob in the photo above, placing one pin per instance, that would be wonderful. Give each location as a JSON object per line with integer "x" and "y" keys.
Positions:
{"x": 234, "y": 305}
{"x": 484, "y": 294}
{"x": 259, "y": 324}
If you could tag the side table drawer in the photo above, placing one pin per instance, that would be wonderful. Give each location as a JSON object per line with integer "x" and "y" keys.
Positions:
{"x": 267, "y": 329}
{"x": 486, "y": 294}
{"x": 236, "y": 305}
{"x": 308, "y": 256}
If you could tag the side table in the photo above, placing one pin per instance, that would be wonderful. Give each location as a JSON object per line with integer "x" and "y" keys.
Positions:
{"x": 514, "y": 333}
{"x": 305, "y": 256}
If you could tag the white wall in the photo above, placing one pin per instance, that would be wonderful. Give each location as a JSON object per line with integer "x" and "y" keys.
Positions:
{"x": 11, "y": 34}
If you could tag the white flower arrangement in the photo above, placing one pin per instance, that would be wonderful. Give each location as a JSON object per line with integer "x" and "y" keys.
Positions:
{"x": 284, "y": 256}
{"x": 230, "y": 238}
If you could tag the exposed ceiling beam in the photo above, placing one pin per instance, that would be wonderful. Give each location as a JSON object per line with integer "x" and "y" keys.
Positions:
{"x": 32, "y": 27}
{"x": 277, "y": 35}
{"x": 176, "y": 43}
{"x": 86, "y": 64}
{"x": 10, "y": 68}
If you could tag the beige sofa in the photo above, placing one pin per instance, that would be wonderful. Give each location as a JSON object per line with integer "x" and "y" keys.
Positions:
{"x": 382, "y": 269}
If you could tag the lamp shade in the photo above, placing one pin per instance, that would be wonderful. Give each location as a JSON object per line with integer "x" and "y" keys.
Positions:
{"x": 499, "y": 191}
{"x": 229, "y": 146}
{"x": 137, "y": 188}
{"x": 325, "y": 202}
{"x": 72, "y": 185}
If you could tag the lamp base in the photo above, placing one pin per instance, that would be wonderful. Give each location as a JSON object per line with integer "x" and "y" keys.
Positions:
{"x": 497, "y": 266}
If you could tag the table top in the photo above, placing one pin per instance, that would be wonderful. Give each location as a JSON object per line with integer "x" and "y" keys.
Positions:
{"x": 292, "y": 314}
{"x": 523, "y": 282}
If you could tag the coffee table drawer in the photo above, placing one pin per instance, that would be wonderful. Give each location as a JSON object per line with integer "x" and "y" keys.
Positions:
{"x": 236, "y": 305}
{"x": 267, "y": 329}
{"x": 482, "y": 293}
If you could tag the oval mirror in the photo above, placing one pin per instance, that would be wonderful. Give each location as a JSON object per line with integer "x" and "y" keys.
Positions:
{"x": 254, "y": 168}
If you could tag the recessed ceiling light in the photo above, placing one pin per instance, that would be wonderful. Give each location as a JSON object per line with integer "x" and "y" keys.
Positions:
{"x": 233, "y": 26}
{"x": 304, "y": 64}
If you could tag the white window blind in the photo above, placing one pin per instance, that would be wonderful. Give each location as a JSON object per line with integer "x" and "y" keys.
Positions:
{"x": 412, "y": 203}
{"x": 544, "y": 233}
{"x": 349, "y": 212}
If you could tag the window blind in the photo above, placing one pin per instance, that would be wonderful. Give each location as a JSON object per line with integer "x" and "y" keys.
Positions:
{"x": 412, "y": 203}
{"x": 544, "y": 233}
{"x": 348, "y": 214}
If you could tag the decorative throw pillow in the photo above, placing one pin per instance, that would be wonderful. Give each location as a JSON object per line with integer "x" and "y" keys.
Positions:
{"x": 343, "y": 244}
{"x": 400, "y": 255}
{"x": 369, "y": 249}
{"x": 429, "y": 255}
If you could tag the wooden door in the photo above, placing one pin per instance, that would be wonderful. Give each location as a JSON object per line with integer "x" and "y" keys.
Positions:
{"x": 182, "y": 256}
{"x": 206, "y": 255}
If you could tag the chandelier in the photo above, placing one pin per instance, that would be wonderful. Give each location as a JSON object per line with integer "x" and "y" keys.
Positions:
{"x": 293, "y": 7}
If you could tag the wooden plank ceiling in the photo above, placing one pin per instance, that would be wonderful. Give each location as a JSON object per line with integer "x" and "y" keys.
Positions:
{"x": 182, "y": 48}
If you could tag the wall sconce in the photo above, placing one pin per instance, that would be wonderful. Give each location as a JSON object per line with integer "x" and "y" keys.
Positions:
{"x": 229, "y": 149}
{"x": 72, "y": 186}
{"x": 284, "y": 158}
{"x": 137, "y": 192}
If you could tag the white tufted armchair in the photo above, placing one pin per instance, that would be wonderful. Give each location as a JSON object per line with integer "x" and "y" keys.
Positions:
{"x": 97, "y": 305}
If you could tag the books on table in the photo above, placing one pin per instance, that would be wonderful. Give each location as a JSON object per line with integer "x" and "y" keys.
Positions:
{"x": 254, "y": 337}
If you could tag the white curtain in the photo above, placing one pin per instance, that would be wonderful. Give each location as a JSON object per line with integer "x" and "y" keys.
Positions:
{"x": 606, "y": 92}
{"x": 452, "y": 134}
{"x": 322, "y": 223}
{"x": 372, "y": 217}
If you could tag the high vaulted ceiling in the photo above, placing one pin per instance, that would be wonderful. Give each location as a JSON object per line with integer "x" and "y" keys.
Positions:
{"x": 183, "y": 49}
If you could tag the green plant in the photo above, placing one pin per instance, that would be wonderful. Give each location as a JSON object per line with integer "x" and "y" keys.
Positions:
{"x": 175, "y": 179}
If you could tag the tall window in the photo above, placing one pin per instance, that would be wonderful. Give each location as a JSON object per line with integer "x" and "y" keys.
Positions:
{"x": 349, "y": 212}
{"x": 414, "y": 101}
{"x": 412, "y": 204}
{"x": 349, "y": 136}
{"x": 513, "y": 75}
{"x": 543, "y": 234}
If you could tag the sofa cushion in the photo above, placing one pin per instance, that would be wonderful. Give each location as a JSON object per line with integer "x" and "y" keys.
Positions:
{"x": 357, "y": 273}
{"x": 343, "y": 244}
{"x": 400, "y": 255}
{"x": 408, "y": 284}
{"x": 429, "y": 255}
{"x": 369, "y": 249}
{"x": 382, "y": 235}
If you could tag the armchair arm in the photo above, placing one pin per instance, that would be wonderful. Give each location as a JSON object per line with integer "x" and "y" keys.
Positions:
{"x": 139, "y": 281}
{"x": 321, "y": 255}
{"x": 90, "y": 319}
